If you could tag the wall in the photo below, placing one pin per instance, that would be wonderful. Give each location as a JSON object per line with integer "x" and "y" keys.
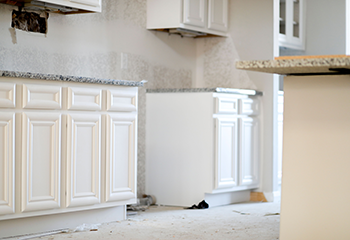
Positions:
{"x": 251, "y": 37}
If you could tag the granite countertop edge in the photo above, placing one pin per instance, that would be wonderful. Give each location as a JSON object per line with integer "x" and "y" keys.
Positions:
{"x": 196, "y": 90}
{"x": 64, "y": 78}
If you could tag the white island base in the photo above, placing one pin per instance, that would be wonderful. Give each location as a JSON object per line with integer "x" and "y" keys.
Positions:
{"x": 316, "y": 158}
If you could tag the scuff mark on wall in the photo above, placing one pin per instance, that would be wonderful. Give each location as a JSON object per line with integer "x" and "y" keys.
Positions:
{"x": 13, "y": 35}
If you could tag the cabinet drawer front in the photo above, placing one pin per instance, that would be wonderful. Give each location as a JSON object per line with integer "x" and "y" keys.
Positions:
{"x": 121, "y": 100}
{"x": 226, "y": 105}
{"x": 41, "y": 158}
{"x": 120, "y": 157}
{"x": 7, "y": 160}
{"x": 84, "y": 99}
{"x": 7, "y": 95}
{"x": 83, "y": 159}
{"x": 249, "y": 106}
{"x": 41, "y": 96}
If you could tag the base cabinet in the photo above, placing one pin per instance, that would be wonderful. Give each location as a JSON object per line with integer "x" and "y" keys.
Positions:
{"x": 63, "y": 148}
{"x": 201, "y": 145}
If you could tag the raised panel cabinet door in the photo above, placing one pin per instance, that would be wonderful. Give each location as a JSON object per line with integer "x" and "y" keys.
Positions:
{"x": 7, "y": 161}
{"x": 226, "y": 152}
{"x": 217, "y": 15}
{"x": 83, "y": 159}
{"x": 249, "y": 151}
{"x": 41, "y": 161}
{"x": 121, "y": 100}
{"x": 42, "y": 96}
{"x": 84, "y": 98}
{"x": 120, "y": 157}
{"x": 7, "y": 95}
{"x": 194, "y": 12}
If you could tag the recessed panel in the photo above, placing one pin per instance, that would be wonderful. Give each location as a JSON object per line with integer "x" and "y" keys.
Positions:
{"x": 120, "y": 100}
{"x": 227, "y": 105}
{"x": 7, "y": 95}
{"x": 84, "y": 98}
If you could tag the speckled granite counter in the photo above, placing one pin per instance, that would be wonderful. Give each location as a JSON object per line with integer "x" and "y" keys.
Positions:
{"x": 299, "y": 66}
{"x": 218, "y": 90}
{"x": 53, "y": 77}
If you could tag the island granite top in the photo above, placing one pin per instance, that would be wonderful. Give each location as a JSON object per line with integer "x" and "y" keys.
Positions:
{"x": 54, "y": 77}
{"x": 300, "y": 65}
{"x": 196, "y": 90}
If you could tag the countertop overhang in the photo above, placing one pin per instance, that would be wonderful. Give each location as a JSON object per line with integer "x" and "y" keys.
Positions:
{"x": 249, "y": 92}
{"x": 54, "y": 77}
{"x": 301, "y": 65}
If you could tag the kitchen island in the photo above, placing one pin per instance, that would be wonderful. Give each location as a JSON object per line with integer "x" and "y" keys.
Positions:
{"x": 67, "y": 151}
{"x": 316, "y": 151}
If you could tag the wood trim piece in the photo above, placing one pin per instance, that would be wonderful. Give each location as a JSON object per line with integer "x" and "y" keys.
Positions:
{"x": 257, "y": 197}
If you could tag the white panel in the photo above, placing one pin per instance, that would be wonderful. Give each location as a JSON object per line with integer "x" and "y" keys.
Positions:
{"x": 249, "y": 106}
{"x": 227, "y": 105}
{"x": 249, "y": 151}
{"x": 94, "y": 3}
{"x": 7, "y": 160}
{"x": 41, "y": 157}
{"x": 217, "y": 19}
{"x": 84, "y": 98}
{"x": 83, "y": 159}
{"x": 41, "y": 96}
{"x": 194, "y": 12}
{"x": 120, "y": 157}
{"x": 121, "y": 100}
{"x": 226, "y": 152}
{"x": 7, "y": 95}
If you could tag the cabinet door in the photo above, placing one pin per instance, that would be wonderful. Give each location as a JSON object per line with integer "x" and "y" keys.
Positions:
{"x": 41, "y": 158}
{"x": 194, "y": 12}
{"x": 217, "y": 15}
{"x": 249, "y": 151}
{"x": 226, "y": 152}
{"x": 83, "y": 159}
{"x": 7, "y": 161}
{"x": 120, "y": 157}
{"x": 7, "y": 95}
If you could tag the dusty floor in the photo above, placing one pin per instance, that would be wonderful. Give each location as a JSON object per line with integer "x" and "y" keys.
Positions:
{"x": 237, "y": 221}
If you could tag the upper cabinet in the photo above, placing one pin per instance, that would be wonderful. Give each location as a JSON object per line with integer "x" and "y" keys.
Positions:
{"x": 189, "y": 18}
{"x": 291, "y": 24}
{"x": 59, "y": 6}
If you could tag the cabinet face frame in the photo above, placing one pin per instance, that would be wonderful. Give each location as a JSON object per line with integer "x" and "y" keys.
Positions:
{"x": 128, "y": 191}
{"x": 220, "y": 164}
{"x": 249, "y": 151}
{"x": 7, "y": 163}
{"x": 31, "y": 121}
{"x": 92, "y": 125}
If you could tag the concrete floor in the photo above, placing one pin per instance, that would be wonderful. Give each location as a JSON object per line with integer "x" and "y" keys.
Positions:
{"x": 237, "y": 221}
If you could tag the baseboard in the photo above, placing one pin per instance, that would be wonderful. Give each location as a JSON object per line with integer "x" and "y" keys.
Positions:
{"x": 220, "y": 199}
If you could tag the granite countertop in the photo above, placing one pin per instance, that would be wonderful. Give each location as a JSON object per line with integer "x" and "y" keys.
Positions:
{"x": 196, "y": 90}
{"x": 300, "y": 65}
{"x": 53, "y": 77}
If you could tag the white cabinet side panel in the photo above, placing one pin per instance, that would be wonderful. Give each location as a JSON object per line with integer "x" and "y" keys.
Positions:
{"x": 7, "y": 161}
{"x": 41, "y": 159}
{"x": 249, "y": 151}
{"x": 120, "y": 157}
{"x": 83, "y": 159}
{"x": 7, "y": 95}
{"x": 226, "y": 152}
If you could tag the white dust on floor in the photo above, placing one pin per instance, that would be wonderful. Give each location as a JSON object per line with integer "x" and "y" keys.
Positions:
{"x": 237, "y": 221}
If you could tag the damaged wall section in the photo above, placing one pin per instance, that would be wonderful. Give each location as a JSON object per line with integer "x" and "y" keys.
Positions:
{"x": 29, "y": 21}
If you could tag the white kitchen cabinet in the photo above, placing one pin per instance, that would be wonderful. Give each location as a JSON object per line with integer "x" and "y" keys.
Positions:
{"x": 41, "y": 161}
{"x": 202, "y": 145}
{"x": 7, "y": 163}
{"x": 68, "y": 6}
{"x": 72, "y": 148}
{"x": 291, "y": 24}
{"x": 83, "y": 159}
{"x": 120, "y": 154}
{"x": 189, "y": 17}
